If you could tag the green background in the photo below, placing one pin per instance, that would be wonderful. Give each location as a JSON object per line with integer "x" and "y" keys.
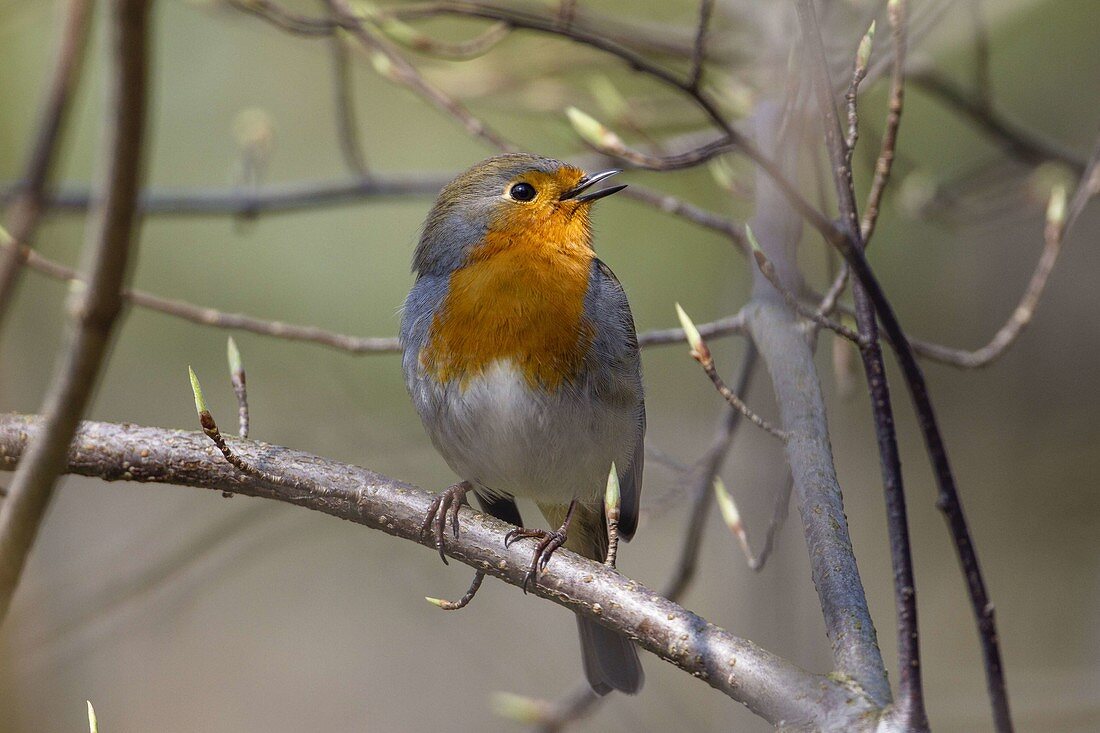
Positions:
{"x": 172, "y": 609}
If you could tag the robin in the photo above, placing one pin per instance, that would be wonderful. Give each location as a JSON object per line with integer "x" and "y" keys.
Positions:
{"x": 521, "y": 358}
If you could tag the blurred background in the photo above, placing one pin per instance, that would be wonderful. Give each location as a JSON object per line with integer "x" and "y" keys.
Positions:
{"x": 173, "y": 609}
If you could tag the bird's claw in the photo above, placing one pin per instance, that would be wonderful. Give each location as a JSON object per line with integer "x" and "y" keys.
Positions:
{"x": 549, "y": 542}
{"x": 447, "y": 501}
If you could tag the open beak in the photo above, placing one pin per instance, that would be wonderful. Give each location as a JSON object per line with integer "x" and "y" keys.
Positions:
{"x": 588, "y": 182}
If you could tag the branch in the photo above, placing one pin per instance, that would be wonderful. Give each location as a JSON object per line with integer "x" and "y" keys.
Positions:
{"x": 910, "y": 710}
{"x": 1058, "y": 225}
{"x": 396, "y": 68}
{"x": 205, "y": 316}
{"x": 1016, "y": 141}
{"x": 789, "y": 361}
{"x": 285, "y": 198}
{"x": 93, "y": 309}
{"x": 767, "y": 684}
{"x": 28, "y": 203}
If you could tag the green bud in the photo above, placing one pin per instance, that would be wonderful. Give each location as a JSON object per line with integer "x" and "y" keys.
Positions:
{"x": 1056, "y": 208}
{"x": 611, "y": 496}
{"x": 863, "y": 55}
{"x": 200, "y": 402}
{"x": 592, "y": 130}
{"x": 93, "y": 723}
{"x": 726, "y": 505}
{"x": 695, "y": 340}
{"x": 234, "y": 356}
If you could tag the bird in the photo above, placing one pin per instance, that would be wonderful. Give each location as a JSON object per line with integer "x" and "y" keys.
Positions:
{"x": 521, "y": 357}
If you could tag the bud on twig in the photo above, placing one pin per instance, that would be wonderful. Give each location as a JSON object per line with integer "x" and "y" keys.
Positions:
{"x": 593, "y": 131}
{"x": 699, "y": 350}
{"x": 863, "y": 54}
{"x": 93, "y": 722}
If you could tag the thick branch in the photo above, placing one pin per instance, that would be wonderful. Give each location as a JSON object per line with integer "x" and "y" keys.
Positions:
{"x": 767, "y": 684}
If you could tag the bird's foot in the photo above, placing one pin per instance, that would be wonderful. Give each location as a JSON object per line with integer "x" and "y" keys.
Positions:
{"x": 548, "y": 543}
{"x": 449, "y": 500}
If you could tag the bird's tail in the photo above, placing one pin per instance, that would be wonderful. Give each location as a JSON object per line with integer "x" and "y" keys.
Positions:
{"x": 610, "y": 659}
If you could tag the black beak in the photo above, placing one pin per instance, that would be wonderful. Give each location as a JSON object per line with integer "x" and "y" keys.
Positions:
{"x": 588, "y": 182}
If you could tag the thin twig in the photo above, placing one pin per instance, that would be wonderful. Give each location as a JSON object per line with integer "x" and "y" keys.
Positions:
{"x": 475, "y": 586}
{"x": 210, "y": 428}
{"x": 240, "y": 388}
{"x": 27, "y": 206}
{"x": 699, "y": 48}
{"x": 869, "y": 299}
{"x": 252, "y": 202}
{"x": 859, "y": 71}
{"x": 1054, "y": 235}
{"x": 701, "y": 353}
{"x": 1022, "y": 144}
{"x": 347, "y": 126}
{"x": 205, "y": 316}
{"x": 767, "y": 269}
{"x": 396, "y": 68}
{"x": 703, "y": 472}
{"x": 779, "y": 516}
{"x": 896, "y": 12}
{"x": 94, "y": 309}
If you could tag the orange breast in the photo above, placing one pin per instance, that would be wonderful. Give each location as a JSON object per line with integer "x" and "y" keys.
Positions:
{"x": 521, "y": 297}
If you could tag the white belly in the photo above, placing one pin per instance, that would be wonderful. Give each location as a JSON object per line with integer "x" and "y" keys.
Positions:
{"x": 506, "y": 438}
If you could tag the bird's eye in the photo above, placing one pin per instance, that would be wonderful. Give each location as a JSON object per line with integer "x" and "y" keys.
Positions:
{"x": 523, "y": 192}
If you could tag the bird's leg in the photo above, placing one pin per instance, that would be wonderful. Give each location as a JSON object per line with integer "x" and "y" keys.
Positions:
{"x": 548, "y": 543}
{"x": 450, "y": 500}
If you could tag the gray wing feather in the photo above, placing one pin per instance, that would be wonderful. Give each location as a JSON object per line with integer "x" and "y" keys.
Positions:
{"x": 616, "y": 349}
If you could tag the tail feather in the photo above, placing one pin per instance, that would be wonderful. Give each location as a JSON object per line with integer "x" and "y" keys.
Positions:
{"x": 610, "y": 659}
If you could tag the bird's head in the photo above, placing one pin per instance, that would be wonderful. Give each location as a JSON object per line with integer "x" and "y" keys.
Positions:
{"x": 508, "y": 199}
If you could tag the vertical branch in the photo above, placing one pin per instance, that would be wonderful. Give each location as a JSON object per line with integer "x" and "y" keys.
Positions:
{"x": 790, "y": 363}
{"x": 910, "y": 711}
{"x": 850, "y": 244}
{"x": 94, "y": 308}
{"x": 26, "y": 210}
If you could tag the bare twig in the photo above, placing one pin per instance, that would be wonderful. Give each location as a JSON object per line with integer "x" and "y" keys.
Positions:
{"x": 396, "y": 68}
{"x": 869, "y": 299}
{"x": 1059, "y": 221}
{"x": 475, "y": 586}
{"x": 27, "y": 206}
{"x": 701, "y": 353}
{"x": 210, "y": 428}
{"x": 240, "y": 388}
{"x": 1022, "y": 144}
{"x": 703, "y": 472}
{"x": 252, "y": 202}
{"x": 93, "y": 309}
{"x": 896, "y": 13}
{"x": 770, "y": 686}
{"x": 767, "y": 269}
{"x": 859, "y": 71}
{"x": 699, "y": 48}
{"x": 204, "y": 316}
{"x": 347, "y": 126}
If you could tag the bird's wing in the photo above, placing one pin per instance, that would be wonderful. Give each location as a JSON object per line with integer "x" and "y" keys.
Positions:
{"x": 615, "y": 348}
